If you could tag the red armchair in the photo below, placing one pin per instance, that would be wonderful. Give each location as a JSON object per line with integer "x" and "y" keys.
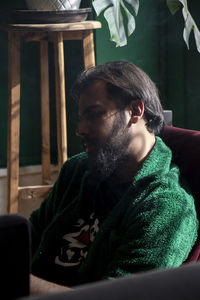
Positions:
{"x": 185, "y": 146}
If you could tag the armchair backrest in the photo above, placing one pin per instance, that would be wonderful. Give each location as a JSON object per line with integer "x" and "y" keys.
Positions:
{"x": 185, "y": 146}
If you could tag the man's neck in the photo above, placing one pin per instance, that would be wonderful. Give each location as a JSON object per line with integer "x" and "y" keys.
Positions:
{"x": 139, "y": 151}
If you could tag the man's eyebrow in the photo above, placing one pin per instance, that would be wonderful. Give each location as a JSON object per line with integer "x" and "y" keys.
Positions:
{"x": 90, "y": 109}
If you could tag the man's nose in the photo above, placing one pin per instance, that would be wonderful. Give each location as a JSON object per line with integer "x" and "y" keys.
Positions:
{"x": 82, "y": 128}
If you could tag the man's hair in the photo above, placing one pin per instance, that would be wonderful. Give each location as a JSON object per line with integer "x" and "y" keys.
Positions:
{"x": 125, "y": 82}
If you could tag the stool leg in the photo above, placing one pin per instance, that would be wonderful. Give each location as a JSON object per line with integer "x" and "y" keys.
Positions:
{"x": 88, "y": 49}
{"x": 13, "y": 120}
{"x": 45, "y": 114}
{"x": 60, "y": 98}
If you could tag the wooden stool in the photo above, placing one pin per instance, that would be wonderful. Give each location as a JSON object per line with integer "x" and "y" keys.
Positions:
{"x": 56, "y": 33}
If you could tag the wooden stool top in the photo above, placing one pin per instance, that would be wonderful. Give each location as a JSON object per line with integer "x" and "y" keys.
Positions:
{"x": 85, "y": 25}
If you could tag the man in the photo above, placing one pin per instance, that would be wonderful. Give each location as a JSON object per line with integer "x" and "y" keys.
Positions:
{"x": 119, "y": 207}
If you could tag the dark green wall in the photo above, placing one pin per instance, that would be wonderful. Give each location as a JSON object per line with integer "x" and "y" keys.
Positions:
{"x": 157, "y": 46}
{"x": 181, "y": 70}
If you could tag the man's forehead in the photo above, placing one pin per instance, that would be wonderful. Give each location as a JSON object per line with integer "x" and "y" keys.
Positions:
{"x": 94, "y": 97}
{"x": 92, "y": 89}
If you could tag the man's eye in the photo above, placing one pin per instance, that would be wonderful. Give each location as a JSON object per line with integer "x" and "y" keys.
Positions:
{"x": 95, "y": 115}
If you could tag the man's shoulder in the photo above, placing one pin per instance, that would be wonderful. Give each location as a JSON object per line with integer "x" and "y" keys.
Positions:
{"x": 171, "y": 192}
{"x": 163, "y": 192}
{"x": 160, "y": 179}
{"x": 156, "y": 166}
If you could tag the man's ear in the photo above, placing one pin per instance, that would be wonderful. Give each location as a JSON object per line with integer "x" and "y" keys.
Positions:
{"x": 136, "y": 110}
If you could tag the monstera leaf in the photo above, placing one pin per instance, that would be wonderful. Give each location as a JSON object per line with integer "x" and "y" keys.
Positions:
{"x": 113, "y": 15}
{"x": 118, "y": 33}
{"x": 190, "y": 24}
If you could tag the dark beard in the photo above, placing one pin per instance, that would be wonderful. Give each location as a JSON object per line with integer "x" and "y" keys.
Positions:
{"x": 108, "y": 157}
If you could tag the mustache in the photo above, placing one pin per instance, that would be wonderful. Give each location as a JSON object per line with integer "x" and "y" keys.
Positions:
{"x": 89, "y": 140}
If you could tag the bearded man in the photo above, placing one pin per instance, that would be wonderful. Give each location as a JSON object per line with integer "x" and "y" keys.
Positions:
{"x": 119, "y": 207}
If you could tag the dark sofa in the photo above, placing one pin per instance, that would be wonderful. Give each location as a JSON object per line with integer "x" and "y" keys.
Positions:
{"x": 173, "y": 284}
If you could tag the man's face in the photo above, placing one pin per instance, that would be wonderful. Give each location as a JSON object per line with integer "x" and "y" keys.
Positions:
{"x": 103, "y": 130}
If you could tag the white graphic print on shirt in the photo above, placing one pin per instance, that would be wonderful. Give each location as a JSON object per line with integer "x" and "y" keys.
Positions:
{"x": 76, "y": 243}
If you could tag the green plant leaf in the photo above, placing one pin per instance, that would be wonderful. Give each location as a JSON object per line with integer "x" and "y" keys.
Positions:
{"x": 189, "y": 25}
{"x": 134, "y": 4}
{"x": 197, "y": 38}
{"x": 116, "y": 27}
{"x": 173, "y": 5}
{"x": 187, "y": 28}
{"x": 100, "y": 5}
{"x": 131, "y": 20}
{"x": 113, "y": 15}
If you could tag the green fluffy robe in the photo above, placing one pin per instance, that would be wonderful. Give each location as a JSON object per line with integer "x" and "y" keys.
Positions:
{"x": 154, "y": 225}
